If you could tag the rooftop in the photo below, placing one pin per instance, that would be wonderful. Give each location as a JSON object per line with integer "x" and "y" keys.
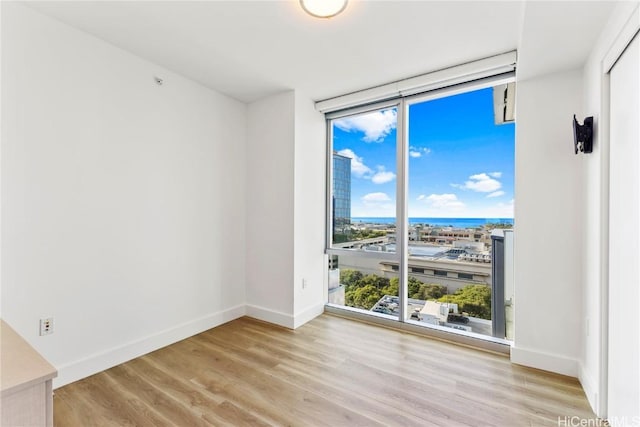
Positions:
{"x": 422, "y": 311}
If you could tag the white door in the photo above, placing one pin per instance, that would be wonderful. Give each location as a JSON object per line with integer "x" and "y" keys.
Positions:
{"x": 624, "y": 240}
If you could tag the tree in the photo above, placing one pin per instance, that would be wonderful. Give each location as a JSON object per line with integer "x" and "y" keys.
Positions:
{"x": 474, "y": 300}
{"x": 376, "y": 281}
{"x": 429, "y": 291}
{"x": 414, "y": 285}
{"x": 350, "y": 278}
{"x": 363, "y": 291}
{"x": 364, "y": 297}
{"x": 392, "y": 288}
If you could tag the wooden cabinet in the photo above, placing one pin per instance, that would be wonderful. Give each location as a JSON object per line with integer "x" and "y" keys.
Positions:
{"x": 25, "y": 382}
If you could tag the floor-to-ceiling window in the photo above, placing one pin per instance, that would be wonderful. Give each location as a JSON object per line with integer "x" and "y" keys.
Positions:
{"x": 364, "y": 146}
{"x": 421, "y": 192}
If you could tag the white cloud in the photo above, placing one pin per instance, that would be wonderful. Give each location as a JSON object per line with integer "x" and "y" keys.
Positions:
{"x": 496, "y": 194}
{"x": 358, "y": 168}
{"x": 375, "y": 126}
{"x": 376, "y": 198}
{"x": 446, "y": 201}
{"x": 481, "y": 183}
{"x": 416, "y": 152}
{"x": 495, "y": 174}
{"x": 374, "y": 205}
{"x": 504, "y": 210}
{"x": 383, "y": 176}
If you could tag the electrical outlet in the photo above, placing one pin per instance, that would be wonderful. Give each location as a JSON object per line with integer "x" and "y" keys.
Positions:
{"x": 304, "y": 283}
{"x": 46, "y": 326}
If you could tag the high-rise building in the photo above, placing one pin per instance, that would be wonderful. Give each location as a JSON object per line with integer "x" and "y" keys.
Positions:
{"x": 341, "y": 194}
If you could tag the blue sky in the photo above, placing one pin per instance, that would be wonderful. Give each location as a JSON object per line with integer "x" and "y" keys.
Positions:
{"x": 460, "y": 162}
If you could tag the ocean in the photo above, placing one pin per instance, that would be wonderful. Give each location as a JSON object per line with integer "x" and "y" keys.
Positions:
{"x": 438, "y": 222}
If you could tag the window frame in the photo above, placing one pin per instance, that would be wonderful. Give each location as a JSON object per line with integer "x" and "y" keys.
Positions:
{"x": 401, "y": 256}
{"x": 330, "y": 117}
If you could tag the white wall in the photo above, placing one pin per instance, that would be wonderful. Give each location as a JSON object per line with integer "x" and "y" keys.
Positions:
{"x": 596, "y": 171}
{"x": 286, "y": 202}
{"x": 270, "y": 205}
{"x": 548, "y": 228}
{"x": 310, "y": 200}
{"x": 1, "y": 68}
{"x": 123, "y": 202}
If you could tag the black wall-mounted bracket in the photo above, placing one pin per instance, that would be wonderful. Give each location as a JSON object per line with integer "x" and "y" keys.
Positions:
{"x": 583, "y": 135}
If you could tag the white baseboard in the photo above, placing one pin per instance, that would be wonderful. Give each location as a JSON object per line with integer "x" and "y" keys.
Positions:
{"x": 271, "y": 316}
{"x": 307, "y": 315}
{"x": 99, "y": 362}
{"x": 545, "y": 361}
{"x": 284, "y": 319}
{"x": 590, "y": 389}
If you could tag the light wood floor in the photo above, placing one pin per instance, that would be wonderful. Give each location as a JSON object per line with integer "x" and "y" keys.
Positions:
{"x": 331, "y": 371}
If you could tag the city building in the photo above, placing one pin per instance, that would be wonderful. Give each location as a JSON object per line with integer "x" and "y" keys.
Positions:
{"x": 452, "y": 273}
{"x": 436, "y": 313}
{"x": 448, "y": 235}
{"x": 341, "y": 195}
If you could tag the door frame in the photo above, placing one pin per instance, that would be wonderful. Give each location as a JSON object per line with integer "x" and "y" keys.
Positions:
{"x": 623, "y": 39}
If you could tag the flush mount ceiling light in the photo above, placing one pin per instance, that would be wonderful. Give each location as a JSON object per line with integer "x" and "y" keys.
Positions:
{"x": 323, "y": 8}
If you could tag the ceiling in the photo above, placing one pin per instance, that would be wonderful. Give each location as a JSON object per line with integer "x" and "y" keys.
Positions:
{"x": 251, "y": 49}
